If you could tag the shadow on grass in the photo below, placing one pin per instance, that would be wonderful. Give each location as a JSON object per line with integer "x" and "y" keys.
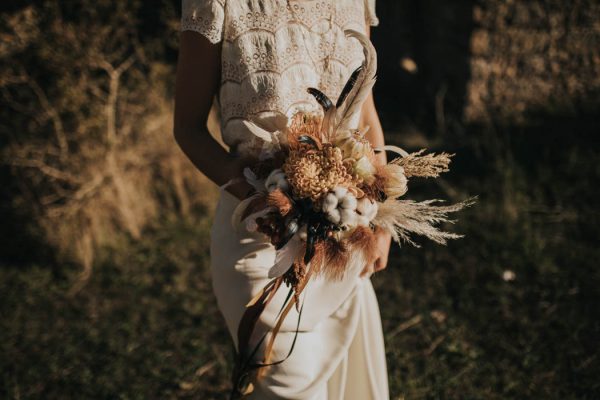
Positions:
{"x": 510, "y": 311}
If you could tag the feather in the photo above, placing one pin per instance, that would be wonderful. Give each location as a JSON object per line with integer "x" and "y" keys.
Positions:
{"x": 318, "y": 261}
{"x": 251, "y": 219}
{"x": 335, "y": 260}
{"x": 284, "y": 258}
{"x": 258, "y": 131}
{"x": 364, "y": 82}
{"x": 363, "y": 239}
{"x": 292, "y": 227}
{"x": 307, "y": 139}
{"x": 328, "y": 124}
{"x": 322, "y": 98}
{"x": 252, "y": 179}
{"x": 349, "y": 86}
{"x": 242, "y": 208}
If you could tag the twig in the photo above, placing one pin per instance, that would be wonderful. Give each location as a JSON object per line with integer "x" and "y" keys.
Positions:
{"x": 406, "y": 325}
{"x": 434, "y": 345}
{"x": 59, "y": 130}
{"x": 45, "y": 169}
{"x": 205, "y": 368}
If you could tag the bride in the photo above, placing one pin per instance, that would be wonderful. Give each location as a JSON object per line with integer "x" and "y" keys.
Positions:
{"x": 256, "y": 58}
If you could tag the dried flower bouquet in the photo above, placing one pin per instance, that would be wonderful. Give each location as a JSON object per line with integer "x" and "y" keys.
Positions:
{"x": 320, "y": 196}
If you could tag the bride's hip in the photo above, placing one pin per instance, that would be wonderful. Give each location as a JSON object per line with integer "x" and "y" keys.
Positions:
{"x": 240, "y": 263}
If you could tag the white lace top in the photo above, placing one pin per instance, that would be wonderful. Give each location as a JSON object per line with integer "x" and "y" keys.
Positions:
{"x": 272, "y": 51}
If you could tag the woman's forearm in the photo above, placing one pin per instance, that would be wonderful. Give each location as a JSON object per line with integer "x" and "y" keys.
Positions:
{"x": 198, "y": 77}
{"x": 370, "y": 118}
{"x": 211, "y": 158}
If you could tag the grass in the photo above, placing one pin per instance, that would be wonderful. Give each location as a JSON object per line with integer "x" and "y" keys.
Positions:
{"x": 146, "y": 325}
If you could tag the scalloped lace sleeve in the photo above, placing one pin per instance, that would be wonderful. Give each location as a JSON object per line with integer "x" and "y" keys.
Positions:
{"x": 206, "y": 17}
{"x": 370, "y": 13}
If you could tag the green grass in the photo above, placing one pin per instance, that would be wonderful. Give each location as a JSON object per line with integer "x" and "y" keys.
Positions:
{"x": 146, "y": 325}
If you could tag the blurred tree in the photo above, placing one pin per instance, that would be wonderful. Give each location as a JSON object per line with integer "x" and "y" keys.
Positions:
{"x": 86, "y": 111}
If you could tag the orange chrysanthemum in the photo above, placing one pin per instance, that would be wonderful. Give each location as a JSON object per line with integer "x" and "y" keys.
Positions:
{"x": 312, "y": 173}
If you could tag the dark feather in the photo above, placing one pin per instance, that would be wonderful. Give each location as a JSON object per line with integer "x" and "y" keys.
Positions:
{"x": 328, "y": 124}
{"x": 349, "y": 86}
{"x": 322, "y": 98}
{"x": 291, "y": 227}
{"x": 311, "y": 241}
{"x": 363, "y": 86}
{"x": 308, "y": 140}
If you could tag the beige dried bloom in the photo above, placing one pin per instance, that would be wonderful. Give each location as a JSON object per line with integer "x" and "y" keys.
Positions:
{"x": 394, "y": 178}
{"x": 314, "y": 172}
{"x": 354, "y": 145}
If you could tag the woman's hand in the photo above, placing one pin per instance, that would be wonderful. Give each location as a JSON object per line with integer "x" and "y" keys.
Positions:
{"x": 383, "y": 243}
{"x": 241, "y": 188}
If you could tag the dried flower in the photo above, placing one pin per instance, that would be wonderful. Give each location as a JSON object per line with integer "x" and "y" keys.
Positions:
{"x": 354, "y": 145}
{"x": 312, "y": 173}
{"x": 364, "y": 169}
{"x": 395, "y": 182}
{"x": 302, "y": 124}
{"x": 280, "y": 201}
{"x": 427, "y": 166}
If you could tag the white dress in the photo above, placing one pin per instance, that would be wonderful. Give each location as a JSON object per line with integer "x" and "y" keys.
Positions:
{"x": 272, "y": 51}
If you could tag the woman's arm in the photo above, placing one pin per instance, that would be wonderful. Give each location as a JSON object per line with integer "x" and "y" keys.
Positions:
{"x": 370, "y": 118}
{"x": 197, "y": 82}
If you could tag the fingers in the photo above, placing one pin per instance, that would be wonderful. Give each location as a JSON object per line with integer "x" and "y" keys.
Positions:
{"x": 379, "y": 264}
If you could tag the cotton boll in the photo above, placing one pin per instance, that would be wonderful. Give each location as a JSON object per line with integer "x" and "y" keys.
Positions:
{"x": 367, "y": 208}
{"x": 349, "y": 202}
{"x": 362, "y": 206}
{"x": 334, "y": 216}
{"x": 340, "y": 192}
{"x": 330, "y": 202}
{"x": 362, "y": 221}
{"x": 372, "y": 212}
{"x": 348, "y": 217}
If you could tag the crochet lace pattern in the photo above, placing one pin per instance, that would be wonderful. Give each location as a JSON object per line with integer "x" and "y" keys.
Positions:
{"x": 272, "y": 50}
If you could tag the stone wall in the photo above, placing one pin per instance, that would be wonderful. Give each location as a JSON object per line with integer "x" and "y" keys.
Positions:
{"x": 534, "y": 58}
{"x": 513, "y": 61}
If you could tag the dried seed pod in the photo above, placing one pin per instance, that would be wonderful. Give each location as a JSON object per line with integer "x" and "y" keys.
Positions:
{"x": 348, "y": 217}
{"x": 349, "y": 202}
{"x": 334, "y": 216}
{"x": 330, "y": 202}
{"x": 340, "y": 192}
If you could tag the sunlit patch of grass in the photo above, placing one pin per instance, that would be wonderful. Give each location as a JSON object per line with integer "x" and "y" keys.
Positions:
{"x": 145, "y": 325}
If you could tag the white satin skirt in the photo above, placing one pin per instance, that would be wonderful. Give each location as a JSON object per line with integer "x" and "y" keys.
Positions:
{"x": 339, "y": 352}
